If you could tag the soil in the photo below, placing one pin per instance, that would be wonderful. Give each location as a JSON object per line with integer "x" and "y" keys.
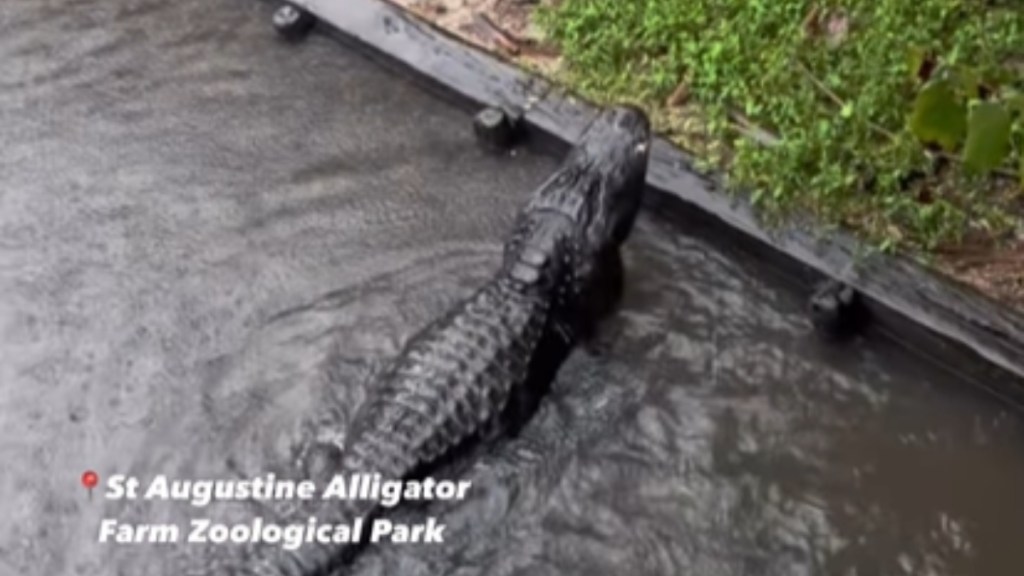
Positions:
{"x": 505, "y": 27}
{"x": 499, "y": 26}
{"x": 997, "y": 273}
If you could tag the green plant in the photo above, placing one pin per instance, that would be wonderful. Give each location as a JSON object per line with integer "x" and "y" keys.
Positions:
{"x": 898, "y": 119}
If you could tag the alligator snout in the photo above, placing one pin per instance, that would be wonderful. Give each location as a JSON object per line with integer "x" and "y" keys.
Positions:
{"x": 619, "y": 134}
{"x": 628, "y": 118}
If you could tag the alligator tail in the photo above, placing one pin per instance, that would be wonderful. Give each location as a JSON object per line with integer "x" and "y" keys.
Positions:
{"x": 315, "y": 558}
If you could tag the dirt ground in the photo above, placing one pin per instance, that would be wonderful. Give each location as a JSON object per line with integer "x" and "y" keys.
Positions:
{"x": 501, "y": 26}
{"x": 997, "y": 273}
{"x": 504, "y": 27}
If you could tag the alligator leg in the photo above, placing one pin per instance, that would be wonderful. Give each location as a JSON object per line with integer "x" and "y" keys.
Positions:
{"x": 601, "y": 301}
{"x": 315, "y": 451}
{"x": 275, "y": 511}
{"x": 524, "y": 401}
{"x": 315, "y": 459}
{"x": 522, "y": 404}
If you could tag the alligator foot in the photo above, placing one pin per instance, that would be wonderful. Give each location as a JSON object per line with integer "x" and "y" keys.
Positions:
{"x": 275, "y": 511}
{"x": 314, "y": 453}
{"x": 347, "y": 383}
{"x": 312, "y": 459}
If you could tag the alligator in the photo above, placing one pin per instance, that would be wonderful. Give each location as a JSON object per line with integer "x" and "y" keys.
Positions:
{"x": 478, "y": 372}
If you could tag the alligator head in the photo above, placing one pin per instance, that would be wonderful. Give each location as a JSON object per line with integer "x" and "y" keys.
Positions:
{"x": 616, "y": 146}
{"x": 598, "y": 188}
{"x": 567, "y": 238}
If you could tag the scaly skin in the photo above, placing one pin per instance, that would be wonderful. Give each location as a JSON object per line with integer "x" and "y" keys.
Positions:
{"x": 479, "y": 371}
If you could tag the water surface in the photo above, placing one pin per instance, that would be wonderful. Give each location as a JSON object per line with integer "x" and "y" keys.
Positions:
{"x": 208, "y": 239}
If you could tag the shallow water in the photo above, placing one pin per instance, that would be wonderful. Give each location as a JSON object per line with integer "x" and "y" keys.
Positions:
{"x": 209, "y": 238}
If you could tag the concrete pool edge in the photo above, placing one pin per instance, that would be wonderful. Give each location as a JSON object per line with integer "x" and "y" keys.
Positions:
{"x": 952, "y": 325}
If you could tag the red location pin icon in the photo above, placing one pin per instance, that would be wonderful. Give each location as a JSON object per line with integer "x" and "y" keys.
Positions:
{"x": 90, "y": 479}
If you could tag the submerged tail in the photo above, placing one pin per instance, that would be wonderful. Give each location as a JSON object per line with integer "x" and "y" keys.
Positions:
{"x": 317, "y": 556}
{"x": 318, "y": 522}
{"x": 320, "y": 555}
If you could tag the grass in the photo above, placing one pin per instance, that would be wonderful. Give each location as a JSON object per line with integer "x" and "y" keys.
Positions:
{"x": 838, "y": 109}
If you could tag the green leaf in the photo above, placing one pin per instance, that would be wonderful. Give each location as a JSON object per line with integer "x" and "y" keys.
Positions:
{"x": 998, "y": 77}
{"x": 1015, "y": 101}
{"x": 938, "y": 117}
{"x": 988, "y": 136}
{"x": 915, "y": 57}
{"x": 919, "y": 64}
{"x": 968, "y": 81}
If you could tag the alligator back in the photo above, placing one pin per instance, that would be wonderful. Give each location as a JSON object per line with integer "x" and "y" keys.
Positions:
{"x": 473, "y": 374}
{"x": 452, "y": 382}
{"x": 480, "y": 369}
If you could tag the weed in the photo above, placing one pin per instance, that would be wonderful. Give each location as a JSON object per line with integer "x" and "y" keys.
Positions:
{"x": 899, "y": 119}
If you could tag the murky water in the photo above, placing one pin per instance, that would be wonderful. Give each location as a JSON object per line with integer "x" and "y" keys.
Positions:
{"x": 208, "y": 239}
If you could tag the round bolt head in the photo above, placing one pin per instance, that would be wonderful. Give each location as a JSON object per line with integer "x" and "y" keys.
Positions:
{"x": 292, "y": 22}
{"x": 494, "y": 128}
{"x": 836, "y": 311}
{"x": 286, "y": 15}
{"x": 491, "y": 117}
